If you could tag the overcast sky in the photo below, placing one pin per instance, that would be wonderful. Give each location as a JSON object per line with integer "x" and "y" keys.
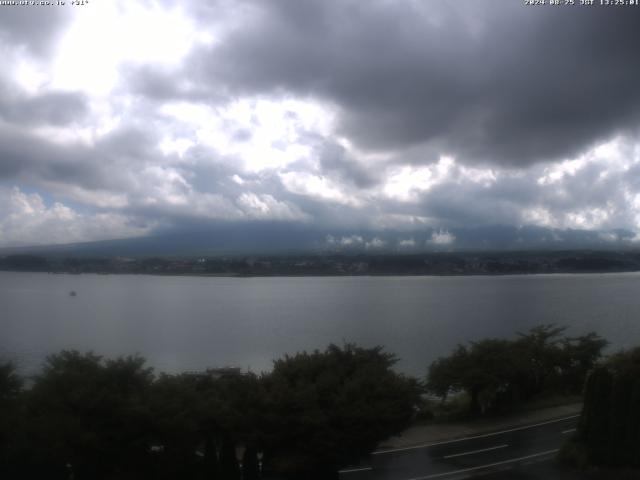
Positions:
{"x": 123, "y": 118}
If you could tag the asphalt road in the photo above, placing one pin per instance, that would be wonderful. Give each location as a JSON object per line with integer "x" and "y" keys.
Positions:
{"x": 524, "y": 452}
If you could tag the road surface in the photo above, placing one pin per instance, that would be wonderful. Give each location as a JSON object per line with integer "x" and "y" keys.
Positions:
{"x": 523, "y": 452}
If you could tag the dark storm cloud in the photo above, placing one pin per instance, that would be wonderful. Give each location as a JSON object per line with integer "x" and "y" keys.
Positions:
{"x": 56, "y": 108}
{"x": 487, "y": 81}
{"x": 19, "y": 153}
{"x": 160, "y": 85}
{"x": 318, "y": 114}
{"x": 26, "y": 157}
{"x": 334, "y": 158}
{"x": 36, "y": 28}
{"x": 106, "y": 165}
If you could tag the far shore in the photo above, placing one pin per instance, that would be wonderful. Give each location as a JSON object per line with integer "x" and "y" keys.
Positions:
{"x": 329, "y": 275}
{"x": 433, "y": 264}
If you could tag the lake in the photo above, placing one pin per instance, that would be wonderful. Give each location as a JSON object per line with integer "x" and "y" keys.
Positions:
{"x": 190, "y": 323}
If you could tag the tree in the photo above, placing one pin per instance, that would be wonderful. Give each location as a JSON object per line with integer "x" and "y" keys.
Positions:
{"x": 250, "y": 469}
{"x": 210, "y": 464}
{"x": 579, "y": 356}
{"x": 229, "y": 467}
{"x": 329, "y": 408}
{"x": 176, "y": 409}
{"x": 485, "y": 371}
{"x": 540, "y": 357}
{"x": 594, "y": 422}
{"x": 10, "y": 384}
{"x": 90, "y": 414}
{"x": 446, "y": 374}
{"x": 609, "y": 427}
{"x": 498, "y": 374}
{"x": 12, "y": 439}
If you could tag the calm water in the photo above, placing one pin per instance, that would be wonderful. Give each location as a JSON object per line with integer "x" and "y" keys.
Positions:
{"x": 189, "y": 323}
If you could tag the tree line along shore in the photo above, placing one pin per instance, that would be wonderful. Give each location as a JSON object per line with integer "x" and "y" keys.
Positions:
{"x": 435, "y": 263}
{"x": 88, "y": 417}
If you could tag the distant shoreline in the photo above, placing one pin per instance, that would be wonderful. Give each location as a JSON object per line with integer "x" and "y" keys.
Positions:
{"x": 340, "y": 265}
{"x": 328, "y": 275}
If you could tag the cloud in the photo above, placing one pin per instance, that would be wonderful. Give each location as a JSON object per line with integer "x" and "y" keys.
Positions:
{"x": 266, "y": 207}
{"x": 466, "y": 79}
{"x": 351, "y": 241}
{"x": 57, "y": 108}
{"x": 375, "y": 244}
{"x": 355, "y": 242}
{"x": 334, "y": 159}
{"x": 406, "y": 243}
{"x": 314, "y": 186}
{"x": 36, "y": 29}
{"x": 340, "y": 115}
{"x": 25, "y": 219}
{"x": 442, "y": 237}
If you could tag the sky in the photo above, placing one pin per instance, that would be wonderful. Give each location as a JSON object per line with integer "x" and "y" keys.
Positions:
{"x": 124, "y": 119}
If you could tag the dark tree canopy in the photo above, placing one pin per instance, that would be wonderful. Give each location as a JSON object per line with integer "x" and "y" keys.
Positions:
{"x": 609, "y": 427}
{"x": 499, "y": 373}
{"x": 333, "y": 406}
{"x": 97, "y": 418}
{"x": 10, "y": 384}
{"x": 11, "y": 437}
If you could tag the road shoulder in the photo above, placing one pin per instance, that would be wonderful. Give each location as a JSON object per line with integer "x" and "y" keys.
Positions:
{"x": 437, "y": 432}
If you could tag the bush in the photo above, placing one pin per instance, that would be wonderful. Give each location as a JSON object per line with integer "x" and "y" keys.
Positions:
{"x": 573, "y": 454}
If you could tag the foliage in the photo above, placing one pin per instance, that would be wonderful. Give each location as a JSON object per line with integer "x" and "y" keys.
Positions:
{"x": 574, "y": 454}
{"x": 483, "y": 370}
{"x": 579, "y": 356}
{"x": 94, "y": 418}
{"x": 498, "y": 374}
{"x": 250, "y": 466}
{"x": 329, "y": 408}
{"x": 97, "y": 418}
{"x": 229, "y": 467}
{"x": 11, "y": 436}
{"x": 609, "y": 426}
{"x": 90, "y": 415}
{"x": 10, "y": 384}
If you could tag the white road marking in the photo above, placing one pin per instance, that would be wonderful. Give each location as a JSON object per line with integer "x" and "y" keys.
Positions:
{"x": 427, "y": 445}
{"x": 489, "y": 465}
{"x": 569, "y": 431}
{"x": 353, "y": 470}
{"x": 475, "y": 451}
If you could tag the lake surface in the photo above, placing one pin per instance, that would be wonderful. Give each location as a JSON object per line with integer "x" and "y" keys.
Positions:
{"x": 190, "y": 323}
